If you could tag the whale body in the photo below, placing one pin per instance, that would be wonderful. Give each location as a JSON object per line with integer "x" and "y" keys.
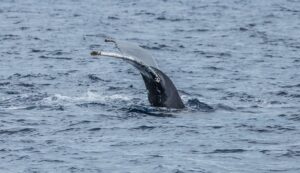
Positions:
{"x": 161, "y": 90}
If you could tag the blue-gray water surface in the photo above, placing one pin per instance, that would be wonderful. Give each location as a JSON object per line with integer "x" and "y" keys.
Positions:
{"x": 235, "y": 63}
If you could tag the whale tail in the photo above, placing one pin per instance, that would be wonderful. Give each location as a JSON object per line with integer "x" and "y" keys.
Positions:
{"x": 161, "y": 90}
{"x": 135, "y": 51}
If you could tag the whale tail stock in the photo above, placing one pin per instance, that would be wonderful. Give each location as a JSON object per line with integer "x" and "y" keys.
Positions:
{"x": 161, "y": 90}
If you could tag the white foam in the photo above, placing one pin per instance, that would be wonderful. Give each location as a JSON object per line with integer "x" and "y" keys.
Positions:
{"x": 16, "y": 107}
{"x": 89, "y": 96}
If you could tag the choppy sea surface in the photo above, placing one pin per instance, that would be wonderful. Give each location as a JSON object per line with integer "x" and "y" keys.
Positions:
{"x": 236, "y": 64}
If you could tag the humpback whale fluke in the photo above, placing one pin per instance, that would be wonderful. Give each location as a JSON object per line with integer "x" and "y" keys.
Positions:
{"x": 161, "y": 90}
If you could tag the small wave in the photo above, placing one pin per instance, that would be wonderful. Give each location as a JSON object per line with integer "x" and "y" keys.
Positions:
{"x": 91, "y": 104}
{"x": 282, "y": 93}
{"x": 2, "y": 113}
{"x": 52, "y": 161}
{"x": 243, "y": 29}
{"x": 228, "y": 151}
{"x": 80, "y": 122}
{"x": 12, "y": 92}
{"x": 156, "y": 47}
{"x": 49, "y": 57}
{"x": 16, "y": 130}
{"x": 94, "y": 46}
{"x": 143, "y": 12}
{"x": 113, "y": 18}
{"x": 66, "y": 130}
{"x": 143, "y": 110}
{"x": 16, "y": 107}
{"x": 24, "y": 98}
{"x": 27, "y": 85}
{"x": 195, "y": 104}
{"x": 216, "y": 127}
{"x": 214, "y": 68}
{"x": 95, "y": 78}
{"x": 144, "y": 127}
{"x": 9, "y": 37}
{"x": 114, "y": 88}
{"x": 267, "y": 129}
{"x": 37, "y": 51}
{"x": 95, "y": 129}
{"x": 37, "y": 107}
{"x": 191, "y": 30}
{"x": 293, "y": 117}
{"x": 171, "y": 19}
{"x": 31, "y": 75}
{"x": 90, "y": 99}
{"x": 295, "y": 95}
{"x": 58, "y": 52}
{"x": 16, "y": 75}
{"x": 4, "y": 83}
{"x": 224, "y": 107}
{"x": 291, "y": 153}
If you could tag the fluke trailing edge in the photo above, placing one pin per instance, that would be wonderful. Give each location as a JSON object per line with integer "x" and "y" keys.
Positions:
{"x": 161, "y": 90}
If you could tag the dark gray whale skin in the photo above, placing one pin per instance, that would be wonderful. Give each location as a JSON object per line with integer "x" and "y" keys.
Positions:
{"x": 163, "y": 93}
{"x": 161, "y": 90}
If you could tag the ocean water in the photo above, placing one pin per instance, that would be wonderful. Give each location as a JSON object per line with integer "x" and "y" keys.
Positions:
{"x": 235, "y": 63}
